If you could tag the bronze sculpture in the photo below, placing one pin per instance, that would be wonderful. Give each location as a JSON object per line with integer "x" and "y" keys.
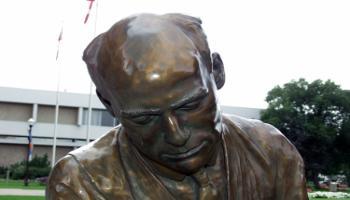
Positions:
{"x": 158, "y": 76}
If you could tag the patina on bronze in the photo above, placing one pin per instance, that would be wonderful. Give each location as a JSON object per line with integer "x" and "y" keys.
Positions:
{"x": 158, "y": 76}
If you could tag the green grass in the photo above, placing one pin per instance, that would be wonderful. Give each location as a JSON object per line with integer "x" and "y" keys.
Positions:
{"x": 347, "y": 191}
{"x": 20, "y": 185}
{"x": 325, "y": 199}
{"x": 21, "y": 198}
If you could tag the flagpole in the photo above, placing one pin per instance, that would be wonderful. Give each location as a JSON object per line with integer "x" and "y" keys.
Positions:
{"x": 89, "y": 116}
{"x": 88, "y": 129}
{"x": 53, "y": 159}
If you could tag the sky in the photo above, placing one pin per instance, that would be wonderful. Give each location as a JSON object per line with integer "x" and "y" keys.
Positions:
{"x": 262, "y": 43}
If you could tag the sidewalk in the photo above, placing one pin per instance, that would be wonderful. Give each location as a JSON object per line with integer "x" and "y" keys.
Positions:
{"x": 22, "y": 192}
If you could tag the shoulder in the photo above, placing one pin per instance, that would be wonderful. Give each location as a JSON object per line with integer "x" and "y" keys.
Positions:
{"x": 87, "y": 169}
{"x": 63, "y": 180}
{"x": 65, "y": 166}
{"x": 266, "y": 145}
{"x": 265, "y": 136}
{"x": 101, "y": 147}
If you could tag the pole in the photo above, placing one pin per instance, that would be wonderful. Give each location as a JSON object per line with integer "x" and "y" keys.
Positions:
{"x": 53, "y": 159}
{"x": 7, "y": 175}
{"x": 29, "y": 155}
{"x": 89, "y": 116}
{"x": 88, "y": 129}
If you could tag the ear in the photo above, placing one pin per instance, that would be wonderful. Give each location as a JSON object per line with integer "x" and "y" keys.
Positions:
{"x": 106, "y": 103}
{"x": 218, "y": 70}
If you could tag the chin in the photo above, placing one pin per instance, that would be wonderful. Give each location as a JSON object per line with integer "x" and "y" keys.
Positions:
{"x": 191, "y": 165}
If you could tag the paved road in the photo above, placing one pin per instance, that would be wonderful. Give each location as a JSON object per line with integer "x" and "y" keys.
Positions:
{"x": 22, "y": 192}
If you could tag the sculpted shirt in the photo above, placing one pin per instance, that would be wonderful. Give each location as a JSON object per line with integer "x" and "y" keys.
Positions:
{"x": 260, "y": 164}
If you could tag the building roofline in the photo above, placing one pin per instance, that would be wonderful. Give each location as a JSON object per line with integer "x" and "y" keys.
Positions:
{"x": 68, "y": 99}
{"x": 32, "y": 96}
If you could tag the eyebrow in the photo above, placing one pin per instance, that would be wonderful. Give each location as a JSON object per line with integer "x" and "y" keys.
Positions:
{"x": 187, "y": 99}
{"x": 156, "y": 111}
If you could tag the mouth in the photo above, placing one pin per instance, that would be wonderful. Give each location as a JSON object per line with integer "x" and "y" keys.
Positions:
{"x": 187, "y": 154}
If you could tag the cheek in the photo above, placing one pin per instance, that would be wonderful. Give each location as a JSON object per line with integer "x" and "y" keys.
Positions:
{"x": 143, "y": 136}
{"x": 206, "y": 116}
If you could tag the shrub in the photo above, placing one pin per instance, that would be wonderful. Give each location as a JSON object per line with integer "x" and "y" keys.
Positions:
{"x": 37, "y": 167}
{"x": 3, "y": 171}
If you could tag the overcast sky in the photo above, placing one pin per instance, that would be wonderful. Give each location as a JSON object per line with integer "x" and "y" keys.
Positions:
{"x": 262, "y": 43}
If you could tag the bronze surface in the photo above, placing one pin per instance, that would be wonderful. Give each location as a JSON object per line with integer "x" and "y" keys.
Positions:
{"x": 158, "y": 76}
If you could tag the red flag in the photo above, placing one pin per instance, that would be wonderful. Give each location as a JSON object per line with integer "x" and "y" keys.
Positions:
{"x": 60, "y": 37}
{"x": 88, "y": 13}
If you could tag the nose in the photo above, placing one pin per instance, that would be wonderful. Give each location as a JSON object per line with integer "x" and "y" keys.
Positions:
{"x": 174, "y": 134}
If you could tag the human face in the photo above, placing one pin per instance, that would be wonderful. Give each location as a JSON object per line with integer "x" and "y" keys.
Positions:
{"x": 176, "y": 125}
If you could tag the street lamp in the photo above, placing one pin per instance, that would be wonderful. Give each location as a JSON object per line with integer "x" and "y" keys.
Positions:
{"x": 31, "y": 123}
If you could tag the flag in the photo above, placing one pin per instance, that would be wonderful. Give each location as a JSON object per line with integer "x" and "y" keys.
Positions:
{"x": 30, "y": 153}
{"x": 89, "y": 10}
{"x": 60, "y": 37}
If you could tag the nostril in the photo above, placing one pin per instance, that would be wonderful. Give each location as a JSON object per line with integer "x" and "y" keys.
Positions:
{"x": 186, "y": 134}
{"x": 176, "y": 139}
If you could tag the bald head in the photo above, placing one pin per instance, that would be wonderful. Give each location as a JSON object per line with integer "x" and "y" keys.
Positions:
{"x": 147, "y": 48}
{"x": 154, "y": 52}
{"x": 145, "y": 52}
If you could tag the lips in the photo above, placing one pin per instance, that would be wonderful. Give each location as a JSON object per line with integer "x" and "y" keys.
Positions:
{"x": 186, "y": 154}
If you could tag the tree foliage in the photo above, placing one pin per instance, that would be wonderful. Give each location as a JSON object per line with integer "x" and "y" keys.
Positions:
{"x": 39, "y": 166}
{"x": 315, "y": 118}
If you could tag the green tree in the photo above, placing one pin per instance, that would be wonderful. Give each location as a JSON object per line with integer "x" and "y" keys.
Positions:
{"x": 39, "y": 166}
{"x": 342, "y": 144}
{"x": 314, "y": 117}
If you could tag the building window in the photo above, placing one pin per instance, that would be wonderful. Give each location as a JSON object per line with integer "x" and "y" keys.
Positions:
{"x": 99, "y": 118}
{"x": 15, "y": 111}
{"x": 66, "y": 115}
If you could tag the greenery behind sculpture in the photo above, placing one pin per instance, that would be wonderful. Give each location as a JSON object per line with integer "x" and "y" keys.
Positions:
{"x": 315, "y": 117}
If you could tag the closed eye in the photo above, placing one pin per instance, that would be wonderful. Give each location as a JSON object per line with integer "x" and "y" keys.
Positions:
{"x": 143, "y": 119}
{"x": 190, "y": 106}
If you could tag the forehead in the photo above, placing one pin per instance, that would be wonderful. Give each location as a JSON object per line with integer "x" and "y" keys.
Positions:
{"x": 162, "y": 77}
{"x": 161, "y": 97}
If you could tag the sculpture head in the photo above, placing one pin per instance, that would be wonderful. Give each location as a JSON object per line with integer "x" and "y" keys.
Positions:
{"x": 157, "y": 75}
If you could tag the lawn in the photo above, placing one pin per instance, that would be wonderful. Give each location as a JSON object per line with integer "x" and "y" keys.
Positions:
{"x": 20, "y": 185}
{"x": 21, "y": 198}
{"x": 329, "y": 198}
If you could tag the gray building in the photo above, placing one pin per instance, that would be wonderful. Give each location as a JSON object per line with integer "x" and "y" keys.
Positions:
{"x": 17, "y": 106}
